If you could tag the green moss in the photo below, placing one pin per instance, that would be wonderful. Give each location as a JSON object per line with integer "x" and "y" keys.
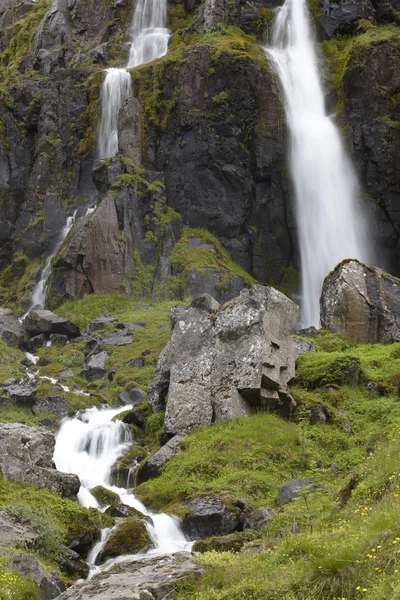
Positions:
{"x": 88, "y": 137}
{"x": 227, "y": 543}
{"x": 120, "y": 469}
{"x": 332, "y": 367}
{"x": 104, "y": 496}
{"x": 130, "y": 538}
{"x": 17, "y": 280}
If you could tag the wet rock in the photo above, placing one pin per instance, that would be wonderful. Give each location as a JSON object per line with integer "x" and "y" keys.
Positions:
{"x": 99, "y": 324}
{"x": 50, "y": 585}
{"x": 10, "y": 328}
{"x": 44, "y": 321}
{"x": 131, "y": 396}
{"x": 208, "y": 516}
{"x": 295, "y": 488}
{"x": 259, "y": 518}
{"x": 122, "y": 510}
{"x": 129, "y": 538}
{"x": 302, "y": 347}
{"x": 137, "y": 417}
{"x": 26, "y": 455}
{"x": 361, "y": 303}
{"x": 96, "y": 366}
{"x": 123, "y": 471}
{"x": 151, "y": 578}
{"x": 220, "y": 364}
{"x": 70, "y": 562}
{"x": 153, "y": 466}
{"x": 342, "y": 18}
{"x": 104, "y": 496}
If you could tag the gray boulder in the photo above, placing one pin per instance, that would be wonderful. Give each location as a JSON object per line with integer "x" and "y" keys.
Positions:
{"x": 362, "y": 303}
{"x": 224, "y": 362}
{"x": 302, "y": 347}
{"x": 55, "y": 405}
{"x": 14, "y": 532}
{"x": 119, "y": 338}
{"x": 26, "y": 455}
{"x": 23, "y": 393}
{"x": 96, "y": 366}
{"x": 50, "y": 585}
{"x": 258, "y": 519}
{"x": 131, "y": 396}
{"x": 208, "y": 517}
{"x": 10, "y": 328}
{"x": 44, "y": 321}
{"x": 99, "y": 324}
{"x": 294, "y": 488}
{"x": 152, "y": 467}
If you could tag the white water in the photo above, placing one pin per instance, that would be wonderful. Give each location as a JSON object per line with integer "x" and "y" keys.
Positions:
{"x": 88, "y": 445}
{"x": 330, "y": 226}
{"x": 149, "y": 40}
{"x": 38, "y": 297}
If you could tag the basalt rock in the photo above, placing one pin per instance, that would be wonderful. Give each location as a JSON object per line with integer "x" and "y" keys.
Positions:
{"x": 208, "y": 516}
{"x": 222, "y": 363}
{"x": 26, "y": 455}
{"x": 362, "y": 303}
{"x": 45, "y": 322}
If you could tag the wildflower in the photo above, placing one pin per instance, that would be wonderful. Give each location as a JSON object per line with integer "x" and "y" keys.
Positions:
{"x": 358, "y": 587}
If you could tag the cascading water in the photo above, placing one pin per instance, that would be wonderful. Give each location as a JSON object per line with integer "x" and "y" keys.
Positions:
{"x": 330, "y": 225}
{"x": 39, "y": 291}
{"x": 149, "y": 37}
{"x": 88, "y": 445}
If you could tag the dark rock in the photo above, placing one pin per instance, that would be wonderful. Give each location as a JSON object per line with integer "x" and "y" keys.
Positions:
{"x": 122, "y": 510}
{"x": 259, "y": 519}
{"x": 137, "y": 417}
{"x": 35, "y": 342}
{"x": 342, "y": 18}
{"x": 95, "y": 367}
{"x": 207, "y": 282}
{"x": 10, "y": 328}
{"x": 219, "y": 365}
{"x": 131, "y": 326}
{"x": 319, "y": 414}
{"x": 44, "y": 321}
{"x": 131, "y": 396}
{"x": 71, "y": 562}
{"x": 208, "y": 516}
{"x": 99, "y": 324}
{"x": 295, "y": 488}
{"x": 153, "y": 466}
{"x": 50, "y": 585}
{"x": 57, "y": 338}
{"x": 26, "y": 455}
{"x": 136, "y": 363}
{"x": 130, "y": 130}
{"x": 92, "y": 347}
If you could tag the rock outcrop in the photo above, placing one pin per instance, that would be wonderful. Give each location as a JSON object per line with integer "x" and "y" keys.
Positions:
{"x": 362, "y": 303}
{"x": 45, "y": 322}
{"x": 26, "y": 455}
{"x": 10, "y": 329}
{"x": 222, "y": 362}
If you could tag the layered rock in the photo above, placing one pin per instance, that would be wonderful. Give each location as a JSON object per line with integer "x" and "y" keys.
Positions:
{"x": 362, "y": 303}
{"x": 222, "y": 362}
{"x": 27, "y": 456}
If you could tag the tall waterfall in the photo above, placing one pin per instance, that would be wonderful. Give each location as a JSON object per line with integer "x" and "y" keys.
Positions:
{"x": 88, "y": 445}
{"x": 149, "y": 40}
{"x": 330, "y": 226}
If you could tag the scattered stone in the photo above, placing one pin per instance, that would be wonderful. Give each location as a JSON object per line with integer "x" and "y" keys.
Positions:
{"x": 129, "y": 538}
{"x": 136, "y": 363}
{"x": 10, "y": 328}
{"x": 23, "y": 393}
{"x": 207, "y": 516}
{"x": 99, "y": 324}
{"x": 26, "y": 455}
{"x": 302, "y": 347}
{"x": 221, "y": 363}
{"x": 131, "y": 396}
{"x": 91, "y": 348}
{"x": 35, "y": 342}
{"x": 150, "y": 578}
{"x": 50, "y": 585}
{"x": 131, "y": 326}
{"x": 44, "y": 321}
{"x": 362, "y": 303}
{"x": 10, "y": 381}
{"x": 66, "y": 373}
{"x": 319, "y": 414}
{"x": 104, "y": 496}
{"x": 96, "y": 366}
{"x": 258, "y": 519}
{"x": 116, "y": 339}
{"x": 295, "y": 488}
{"x": 55, "y": 405}
{"x": 153, "y": 466}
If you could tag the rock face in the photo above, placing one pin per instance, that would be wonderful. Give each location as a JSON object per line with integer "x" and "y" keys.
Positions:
{"x": 361, "y": 303}
{"x": 146, "y": 579}
{"x": 10, "y": 329}
{"x": 221, "y": 362}
{"x": 26, "y": 455}
{"x": 39, "y": 322}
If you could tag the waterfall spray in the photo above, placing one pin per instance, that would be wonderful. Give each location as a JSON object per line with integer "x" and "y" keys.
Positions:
{"x": 330, "y": 225}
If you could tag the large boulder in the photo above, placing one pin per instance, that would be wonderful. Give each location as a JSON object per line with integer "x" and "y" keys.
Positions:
{"x": 129, "y": 538}
{"x": 46, "y": 322}
{"x": 152, "y": 467}
{"x": 222, "y": 362}
{"x": 362, "y": 303}
{"x": 26, "y": 455}
{"x": 50, "y": 585}
{"x": 10, "y": 328}
{"x": 208, "y": 516}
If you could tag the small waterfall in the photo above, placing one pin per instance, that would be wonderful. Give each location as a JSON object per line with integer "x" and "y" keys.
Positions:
{"x": 39, "y": 291}
{"x": 88, "y": 445}
{"x": 330, "y": 226}
{"x": 149, "y": 40}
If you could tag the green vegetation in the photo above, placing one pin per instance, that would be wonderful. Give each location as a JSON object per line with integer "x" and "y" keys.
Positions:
{"x": 17, "y": 280}
{"x": 14, "y": 586}
{"x": 184, "y": 260}
{"x": 104, "y": 496}
{"x": 92, "y": 114}
{"x": 129, "y": 538}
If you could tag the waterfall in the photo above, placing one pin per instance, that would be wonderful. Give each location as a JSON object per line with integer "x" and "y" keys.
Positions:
{"x": 149, "y": 40}
{"x": 38, "y": 296}
{"x": 330, "y": 224}
{"x": 88, "y": 445}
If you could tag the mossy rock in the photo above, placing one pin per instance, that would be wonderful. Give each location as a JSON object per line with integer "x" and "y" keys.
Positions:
{"x": 104, "y": 496}
{"x": 120, "y": 469}
{"x": 124, "y": 511}
{"x": 322, "y": 368}
{"x": 129, "y": 538}
{"x": 233, "y": 542}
